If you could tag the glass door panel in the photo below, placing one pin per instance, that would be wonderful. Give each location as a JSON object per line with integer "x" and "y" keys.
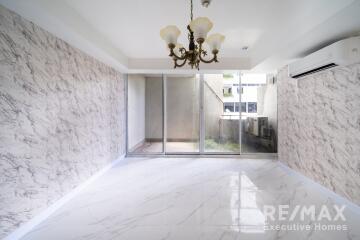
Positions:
{"x": 145, "y": 114}
{"x": 182, "y": 113}
{"x": 221, "y": 113}
{"x": 258, "y": 114}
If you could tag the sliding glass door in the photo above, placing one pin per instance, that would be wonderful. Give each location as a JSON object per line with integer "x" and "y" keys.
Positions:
{"x": 182, "y": 113}
{"x": 221, "y": 113}
{"x": 202, "y": 114}
{"x": 258, "y": 113}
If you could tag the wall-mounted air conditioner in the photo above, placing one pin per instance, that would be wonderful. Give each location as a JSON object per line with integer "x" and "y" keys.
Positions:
{"x": 340, "y": 53}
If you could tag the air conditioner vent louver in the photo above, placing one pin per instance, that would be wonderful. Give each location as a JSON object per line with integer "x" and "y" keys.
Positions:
{"x": 340, "y": 53}
{"x": 327, "y": 66}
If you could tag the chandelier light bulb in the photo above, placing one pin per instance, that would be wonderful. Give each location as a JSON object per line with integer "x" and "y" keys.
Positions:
{"x": 201, "y": 26}
{"x": 170, "y": 34}
{"x": 215, "y": 40}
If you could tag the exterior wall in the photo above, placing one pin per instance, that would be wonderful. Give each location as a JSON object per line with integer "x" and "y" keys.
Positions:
{"x": 319, "y": 127}
{"x": 213, "y": 105}
{"x": 229, "y": 130}
{"x": 136, "y": 110}
{"x": 61, "y": 119}
{"x": 267, "y": 102}
{"x": 216, "y": 83}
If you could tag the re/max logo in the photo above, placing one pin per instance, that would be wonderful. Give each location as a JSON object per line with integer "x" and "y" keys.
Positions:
{"x": 313, "y": 213}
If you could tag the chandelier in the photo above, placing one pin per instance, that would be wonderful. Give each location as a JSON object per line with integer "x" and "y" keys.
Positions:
{"x": 198, "y": 30}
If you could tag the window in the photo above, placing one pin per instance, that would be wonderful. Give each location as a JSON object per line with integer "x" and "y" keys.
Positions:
{"x": 252, "y": 107}
{"x": 237, "y": 107}
{"x": 229, "y": 107}
{"x": 227, "y": 91}
{"x": 243, "y": 107}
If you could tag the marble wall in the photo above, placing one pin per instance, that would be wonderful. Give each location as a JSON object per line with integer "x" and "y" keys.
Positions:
{"x": 319, "y": 127}
{"x": 61, "y": 119}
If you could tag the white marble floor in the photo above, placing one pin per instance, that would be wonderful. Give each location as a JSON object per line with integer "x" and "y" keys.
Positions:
{"x": 190, "y": 199}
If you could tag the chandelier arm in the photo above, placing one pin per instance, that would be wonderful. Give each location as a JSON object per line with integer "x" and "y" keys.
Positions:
{"x": 214, "y": 59}
{"x": 172, "y": 54}
{"x": 214, "y": 52}
{"x": 182, "y": 49}
{"x": 179, "y": 65}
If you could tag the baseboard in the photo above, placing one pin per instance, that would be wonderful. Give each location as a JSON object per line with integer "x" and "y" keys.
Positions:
{"x": 28, "y": 226}
{"x": 336, "y": 197}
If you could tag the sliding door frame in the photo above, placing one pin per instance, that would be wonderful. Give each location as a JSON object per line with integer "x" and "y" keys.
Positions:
{"x": 240, "y": 114}
{"x": 202, "y": 116}
{"x": 125, "y": 76}
{"x": 164, "y": 126}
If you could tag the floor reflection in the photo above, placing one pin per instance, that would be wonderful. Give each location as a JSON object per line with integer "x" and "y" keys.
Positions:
{"x": 251, "y": 218}
{"x": 184, "y": 198}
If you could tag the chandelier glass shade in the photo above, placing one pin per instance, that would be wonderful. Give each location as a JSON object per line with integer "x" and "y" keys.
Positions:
{"x": 198, "y": 30}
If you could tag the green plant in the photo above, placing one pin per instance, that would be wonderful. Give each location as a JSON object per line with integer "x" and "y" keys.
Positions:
{"x": 226, "y": 146}
{"x": 227, "y": 94}
{"x": 228, "y": 75}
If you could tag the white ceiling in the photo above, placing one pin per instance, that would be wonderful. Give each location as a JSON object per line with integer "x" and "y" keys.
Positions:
{"x": 126, "y": 32}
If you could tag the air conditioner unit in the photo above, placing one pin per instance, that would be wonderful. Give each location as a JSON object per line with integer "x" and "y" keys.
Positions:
{"x": 340, "y": 53}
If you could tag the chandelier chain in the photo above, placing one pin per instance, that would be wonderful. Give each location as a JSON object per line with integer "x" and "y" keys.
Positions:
{"x": 191, "y": 10}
